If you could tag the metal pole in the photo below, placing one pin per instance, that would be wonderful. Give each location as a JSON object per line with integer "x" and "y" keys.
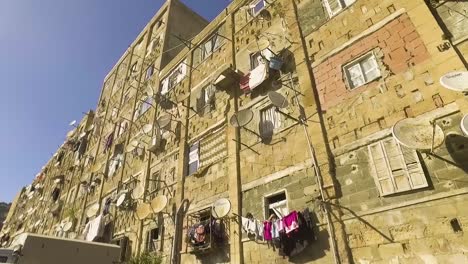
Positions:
{"x": 319, "y": 177}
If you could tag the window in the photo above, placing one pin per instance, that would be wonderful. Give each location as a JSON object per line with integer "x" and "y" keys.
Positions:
{"x": 276, "y": 204}
{"x": 149, "y": 72}
{"x": 193, "y": 158}
{"x": 116, "y": 160}
{"x": 152, "y": 240}
{"x": 362, "y": 71}
{"x": 255, "y": 59}
{"x": 174, "y": 78}
{"x": 126, "y": 97}
{"x": 210, "y": 46}
{"x": 257, "y": 6}
{"x": 154, "y": 184}
{"x": 270, "y": 121}
{"x": 335, "y": 6}
{"x": 206, "y": 100}
{"x": 396, "y": 168}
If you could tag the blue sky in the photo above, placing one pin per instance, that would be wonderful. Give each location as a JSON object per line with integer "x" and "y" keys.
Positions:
{"x": 54, "y": 55}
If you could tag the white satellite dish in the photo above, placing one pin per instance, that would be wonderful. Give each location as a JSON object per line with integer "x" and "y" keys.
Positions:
{"x": 241, "y": 118}
{"x": 158, "y": 203}
{"x": 96, "y": 167}
{"x": 92, "y": 210}
{"x": 143, "y": 210}
{"x": 71, "y": 133}
{"x": 82, "y": 135}
{"x": 90, "y": 128}
{"x": 221, "y": 208}
{"x": 464, "y": 125}
{"x": 147, "y": 128}
{"x": 37, "y": 224}
{"x": 121, "y": 199}
{"x": 132, "y": 145}
{"x": 456, "y": 81}
{"x": 138, "y": 192}
{"x": 72, "y": 123}
{"x": 415, "y": 134}
{"x": 67, "y": 226}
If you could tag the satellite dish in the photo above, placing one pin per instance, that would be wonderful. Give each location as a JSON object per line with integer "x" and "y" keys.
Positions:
{"x": 158, "y": 203}
{"x": 138, "y": 192}
{"x": 96, "y": 167}
{"x": 67, "y": 226}
{"x": 241, "y": 118}
{"x": 418, "y": 135}
{"x": 82, "y": 135}
{"x": 464, "y": 125}
{"x": 21, "y": 217}
{"x": 90, "y": 128}
{"x": 258, "y": 45}
{"x": 147, "y": 128}
{"x": 163, "y": 121}
{"x": 92, "y": 210}
{"x": 221, "y": 208}
{"x": 72, "y": 123}
{"x": 276, "y": 84}
{"x": 456, "y": 81}
{"x": 58, "y": 179}
{"x": 278, "y": 100}
{"x": 143, "y": 210}
{"x": 70, "y": 133}
{"x": 121, "y": 199}
{"x": 132, "y": 145}
{"x": 38, "y": 223}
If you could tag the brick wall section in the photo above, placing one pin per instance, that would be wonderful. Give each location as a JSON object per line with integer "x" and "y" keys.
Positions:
{"x": 402, "y": 48}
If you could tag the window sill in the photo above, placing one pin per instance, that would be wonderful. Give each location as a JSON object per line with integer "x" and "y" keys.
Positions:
{"x": 363, "y": 85}
{"x": 339, "y": 12}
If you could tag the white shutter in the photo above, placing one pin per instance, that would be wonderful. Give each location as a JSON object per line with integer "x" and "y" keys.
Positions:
{"x": 370, "y": 68}
{"x": 415, "y": 171}
{"x": 397, "y": 165}
{"x": 382, "y": 173}
{"x": 165, "y": 86}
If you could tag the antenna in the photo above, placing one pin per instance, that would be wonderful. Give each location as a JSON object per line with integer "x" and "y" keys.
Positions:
{"x": 72, "y": 123}
{"x": 241, "y": 119}
{"x": 138, "y": 192}
{"x": 464, "y": 125}
{"x": 159, "y": 203}
{"x": 143, "y": 210}
{"x": 221, "y": 208}
{"x": 278, "y": 100}
{"x": 92, "y": 211}
{"x": 417, "y": 134}
{"x": 147, "y": 129}
{"x": 163, "y": 121}
{"x": 455, "y": 81}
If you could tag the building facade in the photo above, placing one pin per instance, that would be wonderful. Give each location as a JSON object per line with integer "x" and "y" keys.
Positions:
{"x": 277, "y": 107}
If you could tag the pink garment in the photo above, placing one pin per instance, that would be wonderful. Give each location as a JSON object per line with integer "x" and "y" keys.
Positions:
{"x": 267, "y": 230}
{"x": 290, "y": 222}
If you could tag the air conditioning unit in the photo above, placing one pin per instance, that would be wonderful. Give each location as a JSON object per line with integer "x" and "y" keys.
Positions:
{"x": 156, "y": 143}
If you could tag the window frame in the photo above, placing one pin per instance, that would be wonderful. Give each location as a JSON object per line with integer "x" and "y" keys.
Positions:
{"x": 358, "y": 61}
{"x": 342, "y": 3}
{"x": 145, "y": 105}
{"x": 388, "y": 166}
{"x": 267, "y": 205}
{"x": 197, "y": 160}
{"x": 254, "y": 4}
{"x": 150, "y": 242}
{"x": 216, "y": 43}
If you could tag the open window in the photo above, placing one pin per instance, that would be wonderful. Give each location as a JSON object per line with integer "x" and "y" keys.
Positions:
{"x": 193, "y": 158}
{"x": 152, "y": 240}
{"x": 116, "y": 160}
{"x": 174, "y": 78}
{"x": 276, "y": 204}
{"x": 206, "y": 100}
{"x": 395, "y": 168}
{"x": 125, "y": 246}
{"x": 210, "y": 46}
{"x": 270, "y": 121}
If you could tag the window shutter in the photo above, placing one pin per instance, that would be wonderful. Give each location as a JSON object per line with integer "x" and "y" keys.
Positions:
{"x": 415, "y": 172}
{"x": 193, "y": 159}
{"x": 382, "y": 173}
{"x": 397, "y": 165}
{"x": 349, "y": 2}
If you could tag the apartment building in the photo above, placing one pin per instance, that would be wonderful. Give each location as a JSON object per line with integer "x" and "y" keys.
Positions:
{"x": 285, "y": 109}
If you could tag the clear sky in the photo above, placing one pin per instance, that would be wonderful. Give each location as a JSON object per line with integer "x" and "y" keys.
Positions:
{"x": 54, "y": 55}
